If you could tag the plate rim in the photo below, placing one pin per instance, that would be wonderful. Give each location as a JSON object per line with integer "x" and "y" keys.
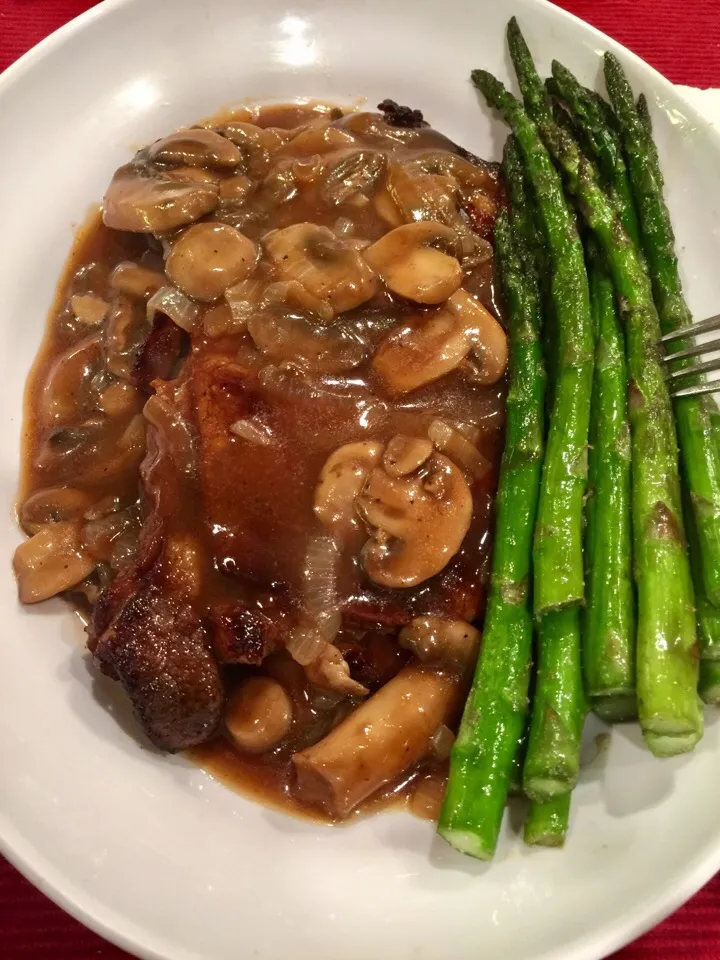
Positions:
{"x": 593, "y": 945}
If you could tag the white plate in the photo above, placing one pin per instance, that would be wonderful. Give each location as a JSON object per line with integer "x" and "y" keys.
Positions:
{"x": 148, "y": 850}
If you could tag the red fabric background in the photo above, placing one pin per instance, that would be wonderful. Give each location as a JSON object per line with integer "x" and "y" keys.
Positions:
{"x": 682, "y": 40}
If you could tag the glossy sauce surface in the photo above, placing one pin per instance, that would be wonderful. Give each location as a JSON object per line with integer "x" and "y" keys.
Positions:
{"x": 247, "y": 506}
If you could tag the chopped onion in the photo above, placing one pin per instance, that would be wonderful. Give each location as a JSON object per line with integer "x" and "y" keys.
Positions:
{"x": 243, "y": 300}
{"x": 441, "y": 742}
{"x": 427, "y": 798}
{"x": 304, "y": 645}
{"x": 176, "y": 431}
{"x": 89, "y": 309}
{"x": 174, "y": 304}
{"x": 458, "y": 448}
{"x": 321, "y": 616}
{"x": 252, "y": 431}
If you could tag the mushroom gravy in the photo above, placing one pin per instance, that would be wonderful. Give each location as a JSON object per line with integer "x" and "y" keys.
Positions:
{"x": 261, "y": 446}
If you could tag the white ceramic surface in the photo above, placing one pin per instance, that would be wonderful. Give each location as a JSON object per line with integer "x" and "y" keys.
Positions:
{"x": 148, "y": 850}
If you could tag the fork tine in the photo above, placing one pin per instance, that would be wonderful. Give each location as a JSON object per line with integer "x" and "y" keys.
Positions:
{"x": 705, "y": 367}
{"x": 696, "y": 391}
{"x": 693, "y": 351}
{"x": 706, "y": 326}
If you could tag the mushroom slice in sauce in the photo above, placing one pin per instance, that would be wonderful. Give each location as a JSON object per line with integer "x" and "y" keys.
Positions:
{"x": 210, "y": 257}
{"x": 412, "y": 266}
{"x": 416, "y": 522}
{"x": 196, "y": 148}
{"x": 147, "y": 203}
{"x": 329, "y": 267}
{"x": 428, "y": 349}
{"x": 341, "y": 480}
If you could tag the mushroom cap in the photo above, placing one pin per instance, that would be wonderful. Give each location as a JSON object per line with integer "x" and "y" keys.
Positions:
{"x": 210, "y": 257}
{"x": 140, "y": 203}
{"x": 417, "y": 522}
{"x": 196, "y": 148}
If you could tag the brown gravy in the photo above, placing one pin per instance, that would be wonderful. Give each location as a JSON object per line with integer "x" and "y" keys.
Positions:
{"x": 253, "y": 515}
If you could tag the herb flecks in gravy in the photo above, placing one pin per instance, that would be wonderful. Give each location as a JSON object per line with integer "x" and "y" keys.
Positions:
{"x": 262, "y": 438}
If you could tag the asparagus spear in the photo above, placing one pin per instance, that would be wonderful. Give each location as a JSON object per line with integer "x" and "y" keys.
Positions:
{"x": 700, "y": 454}
{"x": 667, "y": 670}
{"x": 609, "y": 624}
{"x": 552, "y": 763}
{"x": 546, "y": 824}
{"x": 710, "y": 681}
{"x": 603, "y": 142}
{"x": 495, "y": 713}
{"x": 708, "y": 616}
{"x": 558, "y": 573}
{"x": 526, "y": 222}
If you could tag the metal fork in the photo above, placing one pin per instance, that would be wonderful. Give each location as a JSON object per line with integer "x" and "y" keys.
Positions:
{"x": 675, "y": 377}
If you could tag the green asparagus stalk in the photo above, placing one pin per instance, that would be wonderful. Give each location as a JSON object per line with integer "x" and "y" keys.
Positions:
{"x": 546, "y": 824}
{"x": 700, "y": 454}
{"x": 531, "y": 243}
{"x": 609, "y": 625}
{"x": 495, "y": 713}
{"x": 708, "y": 616}
{"x": 709, "y": 686}
{"x": 667, "y": 663}
{"x": 558, "y": 570}
{"x": 603, "y": 142}
{"x": 526, "y": 222}
{"x": 552, "y": 763}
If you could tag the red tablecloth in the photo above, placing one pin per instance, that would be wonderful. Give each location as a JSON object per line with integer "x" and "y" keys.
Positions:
{"x": 681, "y": 39}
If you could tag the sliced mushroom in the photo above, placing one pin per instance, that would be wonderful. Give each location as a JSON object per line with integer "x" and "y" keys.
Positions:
{"x": 404, "y": 455}
{"x": 416, "y": 522}
{"x": 412, "y": 267}
{"x": 196, "y": 148}
{"x": 69, "y": 388}
{"x": 469, "y": 176}
{"x": 318, "y": 138}
{"x": 236, "y": 190}
{"x": 341, "y": 480}
{"x": 294, "y": 294}
{"x": 53, "y": 505}
{"x": 436, "y": 640}
{"x": 136, "y": 280}
{"x": 330, "y": 671}
{"x": 125, "y": 330}
{"x": 142, "y": 203}
{"x": 329, "y": 267}
{"x": 426, "y": 350}
{"x": 51, "y": 561}
{"x": 192, "y": 175}
{"x": 285, "y": 331}
{"x": 256, "y": 145}
{"x": 259, "y": 714}
{"x": 210, "y": 257}
{"x": 419, "y": 195}
{"x": 490, "y": 351}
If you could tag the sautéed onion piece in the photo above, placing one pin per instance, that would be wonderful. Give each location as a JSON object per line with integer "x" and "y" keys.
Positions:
{"x": 263, "y": 441}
